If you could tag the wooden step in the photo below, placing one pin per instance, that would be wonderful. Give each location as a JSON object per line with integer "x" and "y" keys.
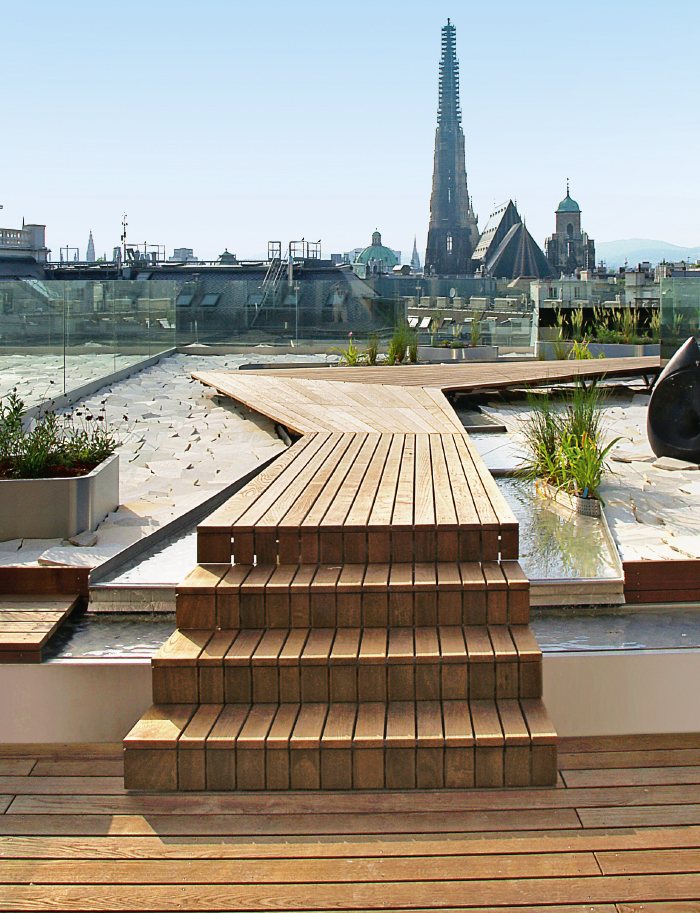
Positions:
{"x": 27, "y": 623}
{"x": 318, "y": 745}
{"x": 354, "y": 595}
{"x": 366, "y": 498}
{"x": 348, "y": 664}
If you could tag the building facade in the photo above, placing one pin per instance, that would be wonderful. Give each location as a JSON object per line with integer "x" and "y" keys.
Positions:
{"x": 569, "y": 249}
{"x": 453, "y": 232}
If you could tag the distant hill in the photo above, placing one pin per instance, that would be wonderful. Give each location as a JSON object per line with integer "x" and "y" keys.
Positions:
{"x": 636, "y": 250}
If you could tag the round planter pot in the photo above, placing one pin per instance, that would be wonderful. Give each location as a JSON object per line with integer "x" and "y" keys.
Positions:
{"x": 58, "y": 508}
{"x": 585, "y": 507}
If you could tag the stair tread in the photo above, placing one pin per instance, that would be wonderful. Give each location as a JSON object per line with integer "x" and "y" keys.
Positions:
{"x": 365, "y": 724}
{"x": 347, "y": 646}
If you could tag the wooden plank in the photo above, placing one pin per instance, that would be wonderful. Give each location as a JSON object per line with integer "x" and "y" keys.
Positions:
{"x": 425, "y": 593}
{"x": 196, "y": 597}
{"x": 402, "y": 518}
{"x": 220, "y": 747}
{"x": 309, "y": 545}
{"x": 379, "y": 539}
{"x": 250, "y": 744}
{"x": 424, "y": 531}
{"x": 488, "y": 744}
{"x": 368, "y": 746}
{"x": 355, "y": 546}
{"x": 429, "y": 746}
{"x": 428, "y": 686}
{"x": 445, "y": 511}
{"x": 336, "y": 745}
{"x": 304, "y": 745}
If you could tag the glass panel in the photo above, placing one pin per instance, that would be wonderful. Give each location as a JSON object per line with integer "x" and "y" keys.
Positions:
{"x": 57, "y": 336}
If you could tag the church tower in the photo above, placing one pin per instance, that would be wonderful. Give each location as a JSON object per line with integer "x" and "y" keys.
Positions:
{"x": 453, "y": 232}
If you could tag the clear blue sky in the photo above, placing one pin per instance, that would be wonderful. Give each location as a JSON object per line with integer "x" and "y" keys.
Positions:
{"x": 226, "y": 124}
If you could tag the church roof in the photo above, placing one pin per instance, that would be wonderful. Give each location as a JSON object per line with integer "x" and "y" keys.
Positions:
{"x": 518, "y": 256}
{"x": 377, "y": 251}
{"x": 568, "y": 205}
{"x": 500, "y": 222}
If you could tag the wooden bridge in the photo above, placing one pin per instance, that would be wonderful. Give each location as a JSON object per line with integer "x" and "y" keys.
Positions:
{"x": 358, "y": 618}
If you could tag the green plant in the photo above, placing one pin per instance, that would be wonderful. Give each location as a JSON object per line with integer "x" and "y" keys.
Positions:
{"x": 577, "y": 327}
{"x": 580, "y": 351}
{"x": 413, "y": 347}
{"x": 372, "y": 350}
{"x": 655, "y": 325}
{"x": 398, "y": 344}
{"x": 352, "y": 354}
{"x": 563, "y": 446}
{"x": 477, "y": 317}
{"x": 51, "y": 444}
{"x": 560, "y": 349}
{"x": 434, "y": 327}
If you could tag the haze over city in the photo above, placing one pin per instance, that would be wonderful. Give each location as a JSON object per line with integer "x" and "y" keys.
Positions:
{"x": 228, "y": 125}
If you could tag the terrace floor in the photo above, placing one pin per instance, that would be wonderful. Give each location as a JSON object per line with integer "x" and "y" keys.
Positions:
{"x": 620, "y": 833}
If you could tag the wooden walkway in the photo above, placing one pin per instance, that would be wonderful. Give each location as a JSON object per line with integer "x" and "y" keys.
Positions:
{"x": 619, "y": 833}
{"x": 402, "y": 398}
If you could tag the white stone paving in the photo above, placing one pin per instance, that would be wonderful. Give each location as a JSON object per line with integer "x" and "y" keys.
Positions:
{"x": 182, "y": 444}
{"x": 652, "y": 512}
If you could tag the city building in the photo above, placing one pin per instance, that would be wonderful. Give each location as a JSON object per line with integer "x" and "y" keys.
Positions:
{"x": 453, "y": 231}
{"x": 25, "y": 243}
{"x": 569, "y": 249}
{"x": 90, "y": 255}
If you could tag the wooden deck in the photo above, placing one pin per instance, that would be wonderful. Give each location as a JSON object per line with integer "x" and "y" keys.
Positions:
{"x": 620, "y": 833}
{"x": 406, "y": 398}
{"x": 28, "y": 622}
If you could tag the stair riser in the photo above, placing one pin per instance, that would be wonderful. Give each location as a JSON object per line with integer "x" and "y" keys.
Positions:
{"x": 290, "y": 546}
{"x": 351, "y": 683}
{"x": 348, "y": 610}
{"x": 348, "y": 768}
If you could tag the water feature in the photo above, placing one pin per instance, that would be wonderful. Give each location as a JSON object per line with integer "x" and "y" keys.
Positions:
{"x": 556, "y": 544}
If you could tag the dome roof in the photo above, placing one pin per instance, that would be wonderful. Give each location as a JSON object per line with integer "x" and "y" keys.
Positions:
{"x": 568, "y": 205}
{"x": 377, "y": 251}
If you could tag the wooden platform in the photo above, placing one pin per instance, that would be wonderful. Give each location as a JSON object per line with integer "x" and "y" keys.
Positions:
{"x": 406, "y": 398}
{"x": 28, "y": 622}
{"x": 358, "y": 498}
{"x": 619, "y": 833}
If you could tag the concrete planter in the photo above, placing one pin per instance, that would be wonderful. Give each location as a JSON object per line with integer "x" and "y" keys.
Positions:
{"x": 58, "y": 508}
{"x": 444, "y": 355}
{"x": 608, "y": 349}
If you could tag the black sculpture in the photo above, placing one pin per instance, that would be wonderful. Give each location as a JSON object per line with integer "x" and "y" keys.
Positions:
{"x": 673, "y": 417}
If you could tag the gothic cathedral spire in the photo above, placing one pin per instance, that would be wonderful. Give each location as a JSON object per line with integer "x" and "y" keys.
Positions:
{"x": 453, "y": 232}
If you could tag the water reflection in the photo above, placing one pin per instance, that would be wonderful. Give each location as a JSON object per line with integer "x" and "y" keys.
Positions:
{"x": 555, "y": 543}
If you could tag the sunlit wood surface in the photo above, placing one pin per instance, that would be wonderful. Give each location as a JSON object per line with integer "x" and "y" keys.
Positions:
{"x": 402, "y": 398}
{"x": 619, "y": 833}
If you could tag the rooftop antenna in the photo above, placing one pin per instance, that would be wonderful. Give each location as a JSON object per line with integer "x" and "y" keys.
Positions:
{"x": 124, "y": 224}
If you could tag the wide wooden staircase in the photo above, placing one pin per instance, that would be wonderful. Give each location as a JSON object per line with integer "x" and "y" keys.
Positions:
{"x": 358, "y": 620}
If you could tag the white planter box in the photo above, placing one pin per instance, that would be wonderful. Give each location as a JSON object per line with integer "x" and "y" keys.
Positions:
{"x": 58, "y": 508}
{"x": 444, "y": 355}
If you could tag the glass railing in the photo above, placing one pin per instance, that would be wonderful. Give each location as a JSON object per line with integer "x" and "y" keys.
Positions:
{"x": 680, "y": 313}
{"x": 57, "y": 336}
